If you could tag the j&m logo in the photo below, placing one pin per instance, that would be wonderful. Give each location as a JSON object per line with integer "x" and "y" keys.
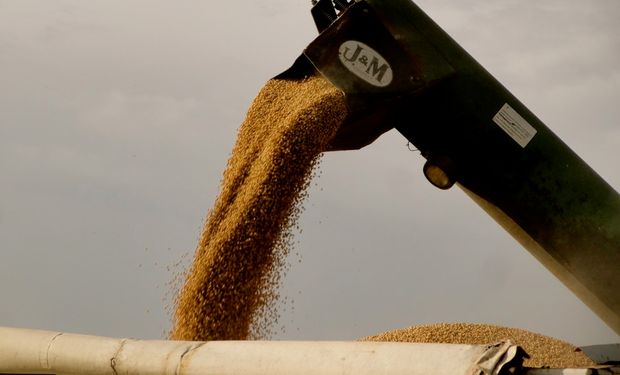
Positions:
{"x": 365, "y": 63}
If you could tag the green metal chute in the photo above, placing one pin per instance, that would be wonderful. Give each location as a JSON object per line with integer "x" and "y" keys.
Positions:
{"x": 475, "y": 133}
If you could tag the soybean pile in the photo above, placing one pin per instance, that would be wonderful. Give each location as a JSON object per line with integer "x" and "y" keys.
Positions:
{"x": 231, "y": 286}
{"x": 544, "y": 351}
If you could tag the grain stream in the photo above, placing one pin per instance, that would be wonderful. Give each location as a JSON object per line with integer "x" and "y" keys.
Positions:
{"x": 544, "y": 351}
{"x": 231, "y": 287}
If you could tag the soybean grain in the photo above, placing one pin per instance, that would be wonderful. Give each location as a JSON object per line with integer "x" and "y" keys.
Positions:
{"x": 544, "y": 351}
{"x": 231, "y": 287}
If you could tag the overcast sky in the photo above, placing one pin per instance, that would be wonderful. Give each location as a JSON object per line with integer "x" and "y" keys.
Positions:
{"x": 117, "y": 118}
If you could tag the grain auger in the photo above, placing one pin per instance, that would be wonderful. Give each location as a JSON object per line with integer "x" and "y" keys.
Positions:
{"x": 400, "y": 70}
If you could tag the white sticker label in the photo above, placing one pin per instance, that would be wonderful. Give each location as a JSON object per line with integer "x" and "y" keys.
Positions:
{"x": 365, "y": 63}
{"x": 514, "y": 125}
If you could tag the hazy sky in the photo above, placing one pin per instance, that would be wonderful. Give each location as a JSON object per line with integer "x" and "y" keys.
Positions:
{"x": 117, "y": 117}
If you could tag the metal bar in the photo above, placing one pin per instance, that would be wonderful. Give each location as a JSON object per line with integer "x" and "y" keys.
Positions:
{"x": 42, "y": 352}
